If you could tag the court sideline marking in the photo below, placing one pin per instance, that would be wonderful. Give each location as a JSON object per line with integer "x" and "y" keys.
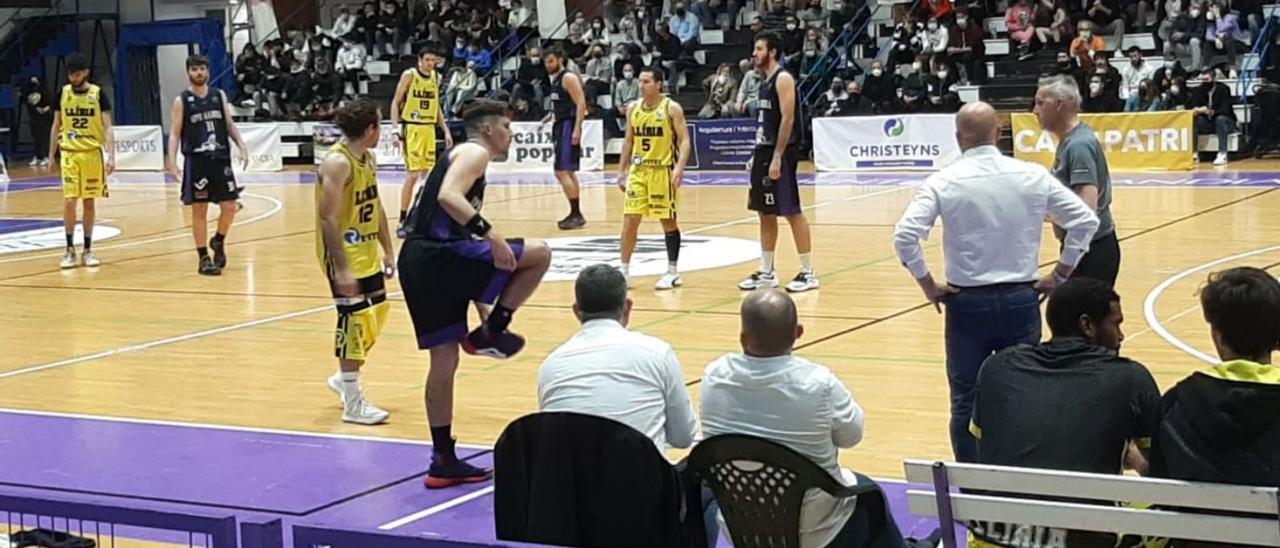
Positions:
{"x": 1149, "y": 304}
{"x": 290, "y": 315}
{"x": 276, "y": 207}
{"x": 458, "y": 501}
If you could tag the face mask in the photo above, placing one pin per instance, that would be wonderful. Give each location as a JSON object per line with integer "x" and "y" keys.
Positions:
{"x": 835, "y": 87}
{"x": 536, "y": 60}
{"x": 916, "y": 65}
{"x": 791, "y": 26}
{"x": 1210, "y": 16}
{"x": 1086, "y": 34}
{"x": 1174, "y": 90}
{"x": 810, "y": 53}
{"x": 597, "y": 26}
{"x": 722, "y": 78}
{"x": 680, "y": 12}
{"x": 461, "y": 44}
{"x": 942, "y": 74}
{"x": 837, "y": 7}
{"x": 628, "y": 75}
{"x": 1095, "y": 86}
{"x": 877, "y": 71}
{"x": 1101, "y": 70}
{"x": 962, "y": 23}
{"x": 1195, "y": 13}
{"x": 933, "y": 25}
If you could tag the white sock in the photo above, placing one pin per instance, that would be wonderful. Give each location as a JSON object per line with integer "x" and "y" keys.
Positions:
{"x": 806, "y": 262}
{"x": 766, "y": 261}
{"x": 350, "y": 384}
{"x": 626, "y": 269}
{"x": 671, "y": 268}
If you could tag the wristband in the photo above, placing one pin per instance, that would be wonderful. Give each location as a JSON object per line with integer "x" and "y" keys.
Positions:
{"x": 478, "y": 226}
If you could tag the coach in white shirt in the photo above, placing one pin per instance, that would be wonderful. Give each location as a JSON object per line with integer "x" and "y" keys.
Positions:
{"x": 767, "y": 392}
{"x": 993, "y": 208}
{"x": 612, "y": 372}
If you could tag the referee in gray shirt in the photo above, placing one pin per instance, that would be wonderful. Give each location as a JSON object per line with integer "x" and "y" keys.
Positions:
{"x": 1081, "y": 166}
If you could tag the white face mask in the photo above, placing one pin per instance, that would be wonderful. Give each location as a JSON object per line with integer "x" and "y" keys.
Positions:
{"x": 722, "y": 78}
{"x": 1195, "y": 13}
{"x": 791, "y": 26}
{"x": 942, "y": 74}
{"x": 933, "y": 25}
{"x": 1210, "y": 16}
{"x": 1174, "y": 90}
{"x": 1095, "y": 86}
{"x": 628, "y": 75}
{"x": 877, "y": 71}
{"x": 916, "y": 65}
{"x": 962, "y": 22}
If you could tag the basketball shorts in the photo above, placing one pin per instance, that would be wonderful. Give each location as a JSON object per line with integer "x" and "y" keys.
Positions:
{"x": 360, "y": 318}
{"x": 770, "y": 197}
{"x": 84, "y": 174}
{"x": 208, "y": 180}
{"x": 419, "y": 146}
{"x": 440, "y": 281}
{"x": 568, "y": 156}
{"x": 650, "y": 193}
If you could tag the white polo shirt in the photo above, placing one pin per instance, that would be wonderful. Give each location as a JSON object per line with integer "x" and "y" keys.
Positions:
{"x": 633, "y": 378}
{"x": 797, "y": 403}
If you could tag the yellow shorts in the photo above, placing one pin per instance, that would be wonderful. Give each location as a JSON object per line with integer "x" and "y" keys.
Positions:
{"x": 419, "y": 146}
{"x": 650, "y": 193}
{"x": 84, "y": 175}
{"x": 360, "y": 319}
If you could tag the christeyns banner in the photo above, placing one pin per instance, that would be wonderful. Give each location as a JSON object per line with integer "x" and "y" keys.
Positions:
{"x": 722, "y": 144}
{"x": 872, "y": 143}
{"x": 1131, "y": 141}
{"x": 139, "y": 148}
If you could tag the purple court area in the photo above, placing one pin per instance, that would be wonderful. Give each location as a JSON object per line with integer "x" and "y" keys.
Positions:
{"x": 257, "y": 475}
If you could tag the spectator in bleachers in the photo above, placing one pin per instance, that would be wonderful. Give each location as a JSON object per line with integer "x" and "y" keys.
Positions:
{"x": 1018, "y": 21}
{"x": 525, "y": 111}
{"x": 747, "y": 103}
{"x": 1222, "y": 33}
{"x": 597, "y": 79}
{"x": 721, "y": 88}
{"x": 531, "y": 80}
{"x": 1072, "y": 403}
{"x": 522, "y": 21}
{"x": 623, "y": 55}
{"x": 1177, "y": 96}
{"x": 937, "y": 38}
{"x": 814, "y": 15}
{"x": 625, "y": 92}
{"x": 367, "y": 26}
{"x": 769, "y": 392}
{"x": 966, "y": 48}
{"x": 1251, "y": 12}
{"x": 1187, "y": 36}
{"x": 459, "y": 53}
{"x": 615, "y": 11}
{"x": 942, "y": 94}
{"x": 1085, "y": 45}
{"x": 577, "y": 45}
{"x": 1169, "y": 10}
{"x": 906, "y": 44}
{"x": 915, "y": 87}
{"x": 297, "y": 94}
{"x": 326, "y": 86}
{"x": 880, "y": 87}
{"x": 1220, "y": 423}
{"x": 1111, "y": 76}
{"x": 832, "y": 101}
{"x": 392, "y": 25}
{"x": 1135, "y": 71}
{"x": 1053, "y": 25}
{"x": 464, "y": 85}
{"x": 757, "y": 25}
{"x": 350, "y": 66}
{"x": 1215, "y": 111}
{"x": 1172, "y": 69}
{"x": 632, "y": 27}
{"x": 686, "y": 26}
{"x": 249, "y": 73}
{"x": 1100, "y": 98}
{"x": 667, "y": 49}
{"x": 1139, "y": 13}
{"x": 1107, "y": 17}
{"x": 609, "y": 371}
{"x": 40, "y": 113}
{"x": 480, "y": 56}
{"x": 841, "y": 15}
{"x": 856, "y": 104}
{"x": 597, "y": 35}
{"x": 793, "y": 37}
{"x": 343, "y": 24}
{"x": 1145, "y": 98}
{"x": 777, "y": 17}
{"x": 722, "y": 14}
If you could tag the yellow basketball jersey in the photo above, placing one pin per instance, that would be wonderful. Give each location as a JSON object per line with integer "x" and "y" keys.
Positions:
{"x": 359, "y": 217}
{"x": 422, "y": 103}
{"x": 82, "y": 128}
{"x": 654, "y": 139}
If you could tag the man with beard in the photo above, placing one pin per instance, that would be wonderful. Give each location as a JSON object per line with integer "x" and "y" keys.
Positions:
{"x": 201, "y": 124}
{"x": 82, "y": 134}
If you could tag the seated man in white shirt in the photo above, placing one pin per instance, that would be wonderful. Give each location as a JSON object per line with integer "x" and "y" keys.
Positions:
{"x": 767, "y": 392}
{"x": 608, "y": 371}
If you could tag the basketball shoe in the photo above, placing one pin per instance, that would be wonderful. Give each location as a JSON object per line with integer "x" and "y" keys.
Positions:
{"x": 757, "y": 280}
{"x": 481, "y": 342}
{"x": 448, "y": 470}
{"x": 803, "y": 281}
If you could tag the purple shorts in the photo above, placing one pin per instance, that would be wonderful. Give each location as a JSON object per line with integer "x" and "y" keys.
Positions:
{"x": 440, "y": 281}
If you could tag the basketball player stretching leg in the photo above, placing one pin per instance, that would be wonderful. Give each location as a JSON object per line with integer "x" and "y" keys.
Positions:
{"x": 452, "y": 257}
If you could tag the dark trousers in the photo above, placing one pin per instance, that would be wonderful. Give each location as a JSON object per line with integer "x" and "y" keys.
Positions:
{"x": 1221, "y": 124}
{"x": 980, "y": 322}
{"x": 1102, "y": 262}
{"x": 40, "y": 128}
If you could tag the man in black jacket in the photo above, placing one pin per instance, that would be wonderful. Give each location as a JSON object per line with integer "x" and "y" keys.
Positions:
{"x": 1215, "y": 111}
{"x": 1072, "y": 403}
{"x": 1220, "y": 425}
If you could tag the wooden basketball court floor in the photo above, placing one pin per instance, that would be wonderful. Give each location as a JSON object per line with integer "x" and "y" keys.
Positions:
{"x": 144, "y": 337}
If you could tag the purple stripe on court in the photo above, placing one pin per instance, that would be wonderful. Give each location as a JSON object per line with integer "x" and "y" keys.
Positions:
{"x": 10, "y": 226}
{"x": 265, "y": 472}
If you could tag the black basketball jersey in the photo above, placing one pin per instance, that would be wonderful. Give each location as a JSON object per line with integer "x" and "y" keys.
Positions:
{"x": 562, "y": 105}
{"x": 770, "y": 117}
{"x": 427, "y": 220}
{"x": 204, "y": 127}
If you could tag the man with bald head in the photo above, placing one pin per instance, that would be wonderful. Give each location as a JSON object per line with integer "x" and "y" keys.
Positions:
{"x": 767, "y": 392}
{"x": 993, "y": 208}
{"x": 1081, "y": 166}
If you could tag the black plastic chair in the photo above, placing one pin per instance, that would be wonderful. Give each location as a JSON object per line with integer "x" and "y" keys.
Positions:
{"x": 761, "y": 502}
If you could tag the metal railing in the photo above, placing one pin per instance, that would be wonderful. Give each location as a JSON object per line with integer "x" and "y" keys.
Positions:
{"x": 837, "y": 49}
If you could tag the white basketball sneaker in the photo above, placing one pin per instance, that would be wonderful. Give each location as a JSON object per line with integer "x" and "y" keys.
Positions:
{"x": 360, "y": 411}
{"x": 89, "y": 259}
{"x": 669, "y": 280}
{"x": 758, "y": 280}
{"x": 803, "y": 281}
{"x": 69, "y": 259}
{"x": 1221, "y": 159}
